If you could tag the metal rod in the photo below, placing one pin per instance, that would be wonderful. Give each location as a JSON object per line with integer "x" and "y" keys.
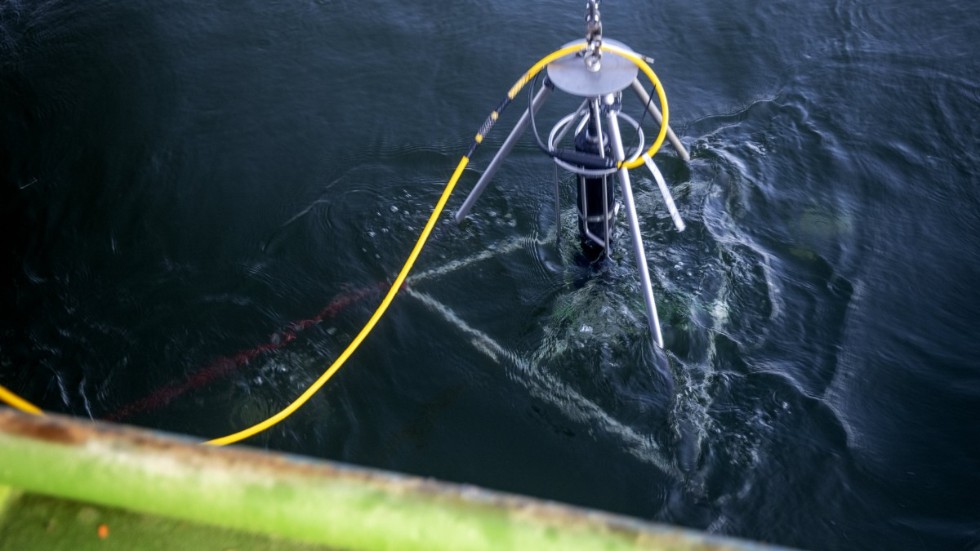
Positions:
{"x": 594, "y": 110}
{"x": 505, "y": 149}
{"x": 671, "y": 207}
{"x": 641, "y": 258}
{"x": 653, "y": 110}
{"x": 584, "y": 214}
{"x": 557, "y": 210}
{"x": 585, "y": 119}
{"x": 605, "y": 214}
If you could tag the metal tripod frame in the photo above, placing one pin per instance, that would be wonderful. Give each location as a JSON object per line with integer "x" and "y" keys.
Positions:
{"x": 600, "y": 81}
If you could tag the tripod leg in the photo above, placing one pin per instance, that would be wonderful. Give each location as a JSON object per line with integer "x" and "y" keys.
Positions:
{"x": 557, "y": 210}
{"x": 674, "y": 141}
{"x": 634, "y": 222}
{"x": 668, "y": 200}
{"x": 498, "y": 159}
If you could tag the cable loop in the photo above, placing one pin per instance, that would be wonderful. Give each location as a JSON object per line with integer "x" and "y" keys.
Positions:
{"x": 19, "y": 403}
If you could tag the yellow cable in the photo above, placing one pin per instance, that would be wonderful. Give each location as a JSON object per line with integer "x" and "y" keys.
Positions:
{"x": 24, "y": 405}
{"x": 536, "y": 68}
{"x": 511, "y": 94}
{"x": 637, "y": 60}
{"x": 19, "y": 403}
{"x": 243, "y": 434}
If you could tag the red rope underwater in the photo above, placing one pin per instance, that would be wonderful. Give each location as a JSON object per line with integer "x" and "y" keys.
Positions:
{"x": 224, "y": 365}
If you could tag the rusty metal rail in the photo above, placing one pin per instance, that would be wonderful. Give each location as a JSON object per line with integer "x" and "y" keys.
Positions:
{"x": 301, "y": 499}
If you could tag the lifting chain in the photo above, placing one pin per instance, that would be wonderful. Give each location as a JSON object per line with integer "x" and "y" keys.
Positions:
{"x": 593, "y": 36}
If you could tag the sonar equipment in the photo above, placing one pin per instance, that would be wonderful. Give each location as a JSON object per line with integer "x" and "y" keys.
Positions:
{"x": 596, "y": 70}
{"x": 587, "y": 143}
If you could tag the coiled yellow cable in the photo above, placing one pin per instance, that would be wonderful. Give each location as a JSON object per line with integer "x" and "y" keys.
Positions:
{"x": 23, "y": 405}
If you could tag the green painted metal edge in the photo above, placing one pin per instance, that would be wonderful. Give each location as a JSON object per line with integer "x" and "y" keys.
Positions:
{"x": 45, "y": 523}
{"x": 7, "y": 497}
{"x": 314, "y": 501}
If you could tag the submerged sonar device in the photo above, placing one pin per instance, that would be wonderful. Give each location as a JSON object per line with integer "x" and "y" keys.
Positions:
{"x": 588, "y": 141}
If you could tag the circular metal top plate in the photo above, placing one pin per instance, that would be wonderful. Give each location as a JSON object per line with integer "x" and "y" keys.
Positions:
{"x": 570, "y": 75}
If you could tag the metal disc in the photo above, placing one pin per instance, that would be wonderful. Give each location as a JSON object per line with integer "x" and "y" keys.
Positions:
{"x": 569, "y": 74}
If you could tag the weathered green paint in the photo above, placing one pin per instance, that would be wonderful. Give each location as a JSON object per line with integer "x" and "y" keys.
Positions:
{"x": 7, "y": 498}
{"x": 41, "y": 523}
{"x": 316, "y": 502}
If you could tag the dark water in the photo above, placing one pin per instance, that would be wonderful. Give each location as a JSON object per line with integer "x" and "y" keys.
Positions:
{"x": 183, "y": 183}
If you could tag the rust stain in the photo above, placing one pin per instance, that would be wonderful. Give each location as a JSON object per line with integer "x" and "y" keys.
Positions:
{"x": 46, "y": 428}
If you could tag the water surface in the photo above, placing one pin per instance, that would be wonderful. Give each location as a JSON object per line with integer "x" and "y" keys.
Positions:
{"x": 202, "y": 205}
